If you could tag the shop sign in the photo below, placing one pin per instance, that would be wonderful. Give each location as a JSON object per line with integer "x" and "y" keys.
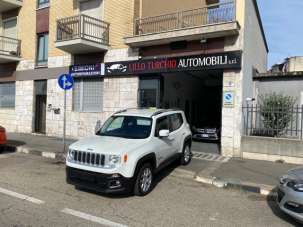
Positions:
{"x": 86, "y": 70}
{"x": 226, "y": 60}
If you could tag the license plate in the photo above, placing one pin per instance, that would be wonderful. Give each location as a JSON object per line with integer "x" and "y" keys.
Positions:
{"x": 205, "y": 135}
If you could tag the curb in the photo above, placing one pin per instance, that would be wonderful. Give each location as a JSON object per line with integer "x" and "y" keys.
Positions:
{"x": 244, "y": 186}
{"x": 26, "y": 150}
{"x": 223, "y": 184}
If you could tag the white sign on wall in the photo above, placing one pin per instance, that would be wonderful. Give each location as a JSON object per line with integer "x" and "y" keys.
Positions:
{"x": 228, "y": 98}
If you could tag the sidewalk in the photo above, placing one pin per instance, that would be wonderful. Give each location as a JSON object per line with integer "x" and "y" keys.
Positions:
{"x": 49, "y": 147}
{"x": 250, "y": 175}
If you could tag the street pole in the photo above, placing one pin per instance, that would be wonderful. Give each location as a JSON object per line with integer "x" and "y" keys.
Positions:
{"x": 64, "y": 122}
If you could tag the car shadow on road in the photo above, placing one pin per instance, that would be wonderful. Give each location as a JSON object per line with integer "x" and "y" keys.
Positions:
{"x": 157, "y": 179}
{"x": 11, "y": 146}
{"x": 272, "y": 203}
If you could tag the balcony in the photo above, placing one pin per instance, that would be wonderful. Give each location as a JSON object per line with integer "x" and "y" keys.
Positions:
{"x": 82, "y": 34}
{"x": 9, "y": 50}
{"x": 6, "y": 5}
{"x": 216, "y": 20}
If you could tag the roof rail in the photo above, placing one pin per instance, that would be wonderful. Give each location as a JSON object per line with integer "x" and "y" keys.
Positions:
{"x": 120, "y": 111}
{"x": 125, "y": 110}
{"x": 159, "y": 112}
{"x": 164, "y": 111}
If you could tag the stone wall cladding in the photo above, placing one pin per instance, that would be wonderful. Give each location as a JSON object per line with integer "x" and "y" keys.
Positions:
{"x": 231, "y": 117}
{"x": 250, "y": 40}
{"x": 26, "y": 65}
{"x": 20, "y": 118}
{"x": 24, "y": 106}
{"x": 8, "y": 119}
{"x": 60, "y": 61}
{"x": 119, "y": 93}
{"x": 124, "y": 54}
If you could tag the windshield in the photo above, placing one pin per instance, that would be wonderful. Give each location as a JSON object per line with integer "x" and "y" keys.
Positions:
{"x": 130, "y": 127}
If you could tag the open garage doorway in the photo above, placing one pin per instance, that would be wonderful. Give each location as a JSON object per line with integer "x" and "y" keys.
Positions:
{"x": 198, "y": 94}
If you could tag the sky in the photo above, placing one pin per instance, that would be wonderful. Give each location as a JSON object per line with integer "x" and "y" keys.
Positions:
{"x": 283, "y": 25}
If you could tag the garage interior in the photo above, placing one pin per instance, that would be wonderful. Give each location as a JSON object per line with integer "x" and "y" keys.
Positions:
{"x": 197, "y": 93}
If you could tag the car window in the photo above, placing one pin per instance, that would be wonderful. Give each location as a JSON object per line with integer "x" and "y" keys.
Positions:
{"x": 176, "y": 121}
{"x": 115, "y": 124}
{"x": 131, "y": 127}
{"x": 162, "y": 124}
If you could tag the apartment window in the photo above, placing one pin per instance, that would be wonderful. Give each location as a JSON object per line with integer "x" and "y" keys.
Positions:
{"x": 88, "y": 95}
{"x": 42, "y": 3}
{"x": 42, "y": 49}
{"x": 7, "y": 95}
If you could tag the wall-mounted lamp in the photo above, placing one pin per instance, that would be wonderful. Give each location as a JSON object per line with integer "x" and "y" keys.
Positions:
{"x": 203, "y": 40}
{"x": 250, "y": 99}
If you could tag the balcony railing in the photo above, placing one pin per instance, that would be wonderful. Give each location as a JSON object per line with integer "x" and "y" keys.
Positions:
{"x": 83, "y": 27}
{"x": 212, "y": 14}
{"x": 10, "y": 46}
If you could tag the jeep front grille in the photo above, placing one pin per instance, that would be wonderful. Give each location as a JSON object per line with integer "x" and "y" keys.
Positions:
{"x": 88, "y": 158}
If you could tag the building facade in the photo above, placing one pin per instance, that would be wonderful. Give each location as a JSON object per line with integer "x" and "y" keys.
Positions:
{"x": 197, "y": 55}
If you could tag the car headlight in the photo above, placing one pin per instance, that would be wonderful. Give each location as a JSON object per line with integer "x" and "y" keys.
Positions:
{"x": 114, "y": 159}
{"x": 297, "y": 186}
{"x": 70, "y": 154}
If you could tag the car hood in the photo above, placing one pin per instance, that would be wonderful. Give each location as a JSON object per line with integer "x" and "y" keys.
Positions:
{"x": 296, "y": 174}
{"x": 107, "y": 145}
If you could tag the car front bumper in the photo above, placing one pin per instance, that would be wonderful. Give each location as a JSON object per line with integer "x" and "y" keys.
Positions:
{"x": 211, "y": 137}
{"x": 290, "y": 202}
{"x": 104, "y": 183}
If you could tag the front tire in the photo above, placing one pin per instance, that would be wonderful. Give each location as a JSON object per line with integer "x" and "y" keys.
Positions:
{"x": 144, "y": 180}
{"x": 186, "y": 155}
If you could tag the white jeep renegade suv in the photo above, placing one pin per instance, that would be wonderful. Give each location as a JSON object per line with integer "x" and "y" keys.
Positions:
{"x": 128, "y": 150}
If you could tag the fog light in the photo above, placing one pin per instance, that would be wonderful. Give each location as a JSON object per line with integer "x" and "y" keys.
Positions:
{"x": 114, "y": 184}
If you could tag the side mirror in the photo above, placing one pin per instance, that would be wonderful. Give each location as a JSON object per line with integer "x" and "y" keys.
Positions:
{"x": 98, "y": 126}
{"x": 164, "y": 133}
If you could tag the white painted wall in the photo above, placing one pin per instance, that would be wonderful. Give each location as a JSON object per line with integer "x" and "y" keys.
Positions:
{"x": 254, "y": 51}
{"x": 295, "y": 64}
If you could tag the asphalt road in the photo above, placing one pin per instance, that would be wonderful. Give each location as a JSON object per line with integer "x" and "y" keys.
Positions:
{"x": 33, "y": 192}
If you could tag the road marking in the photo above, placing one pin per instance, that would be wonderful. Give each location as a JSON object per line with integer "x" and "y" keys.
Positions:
{"x": 92, "y": 218}
{"x": 20, "y": 196}
{"x": 210, "y": 157}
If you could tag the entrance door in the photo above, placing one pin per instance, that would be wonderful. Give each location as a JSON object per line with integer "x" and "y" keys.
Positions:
{"x": 40, "y": 106}
{"x": 149, "y": 93}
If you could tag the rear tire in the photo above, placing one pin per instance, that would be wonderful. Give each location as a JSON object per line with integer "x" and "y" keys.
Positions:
{"x": 144, "y": 180}
{"x": 186, "y": 155}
